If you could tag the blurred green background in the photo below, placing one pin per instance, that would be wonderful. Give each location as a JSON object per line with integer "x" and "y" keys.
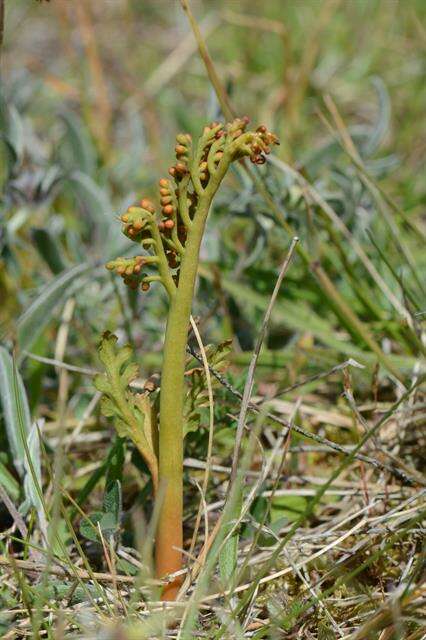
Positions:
{"x": 93, "y": 94}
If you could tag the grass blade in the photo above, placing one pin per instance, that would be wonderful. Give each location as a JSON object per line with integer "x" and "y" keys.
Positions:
{"x": 15, "y": 409}
{"x": 32, "y": 322}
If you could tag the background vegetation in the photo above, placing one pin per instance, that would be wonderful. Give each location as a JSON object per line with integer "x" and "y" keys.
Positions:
{"x": 92, "y": 96}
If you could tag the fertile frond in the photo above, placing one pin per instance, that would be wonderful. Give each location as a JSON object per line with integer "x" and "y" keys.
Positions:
{"x": 197, "y": 174}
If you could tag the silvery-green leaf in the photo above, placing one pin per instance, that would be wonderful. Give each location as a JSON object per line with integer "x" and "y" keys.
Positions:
{"x": 81, "y": 150}
{"x": 113, "y": 501}
{"x": 15, "y": 409}
{"x": 47, "y": 246}
{"x": 39, "y": 313}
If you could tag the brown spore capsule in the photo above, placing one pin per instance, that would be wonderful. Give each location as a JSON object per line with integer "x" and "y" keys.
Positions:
{"x": 168, "y": 210}
{"x": 148, "y": 205}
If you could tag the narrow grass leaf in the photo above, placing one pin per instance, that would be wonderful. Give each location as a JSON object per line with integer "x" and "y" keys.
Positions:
{"x": 81, "y": 149}
{"x": 93, "y": 199}
{"x": 39, "y": 313}
{"x": 47, "y": 246}
{"x": 381, "y": 127}
{"x": 32, "y": 481}
{"x": 9, "y": 483}
{"x": 22, "y": 437}
{"x": 15, "y": 409}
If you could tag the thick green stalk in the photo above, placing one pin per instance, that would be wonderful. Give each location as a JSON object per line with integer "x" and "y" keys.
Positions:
{"x": 169, "y": 540}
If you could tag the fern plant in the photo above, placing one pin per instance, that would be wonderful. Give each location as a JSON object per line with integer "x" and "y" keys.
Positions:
{"x": 172, "y": 243}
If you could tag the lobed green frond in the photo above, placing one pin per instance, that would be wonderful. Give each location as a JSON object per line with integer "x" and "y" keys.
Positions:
{"x": 130, "y": 411}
